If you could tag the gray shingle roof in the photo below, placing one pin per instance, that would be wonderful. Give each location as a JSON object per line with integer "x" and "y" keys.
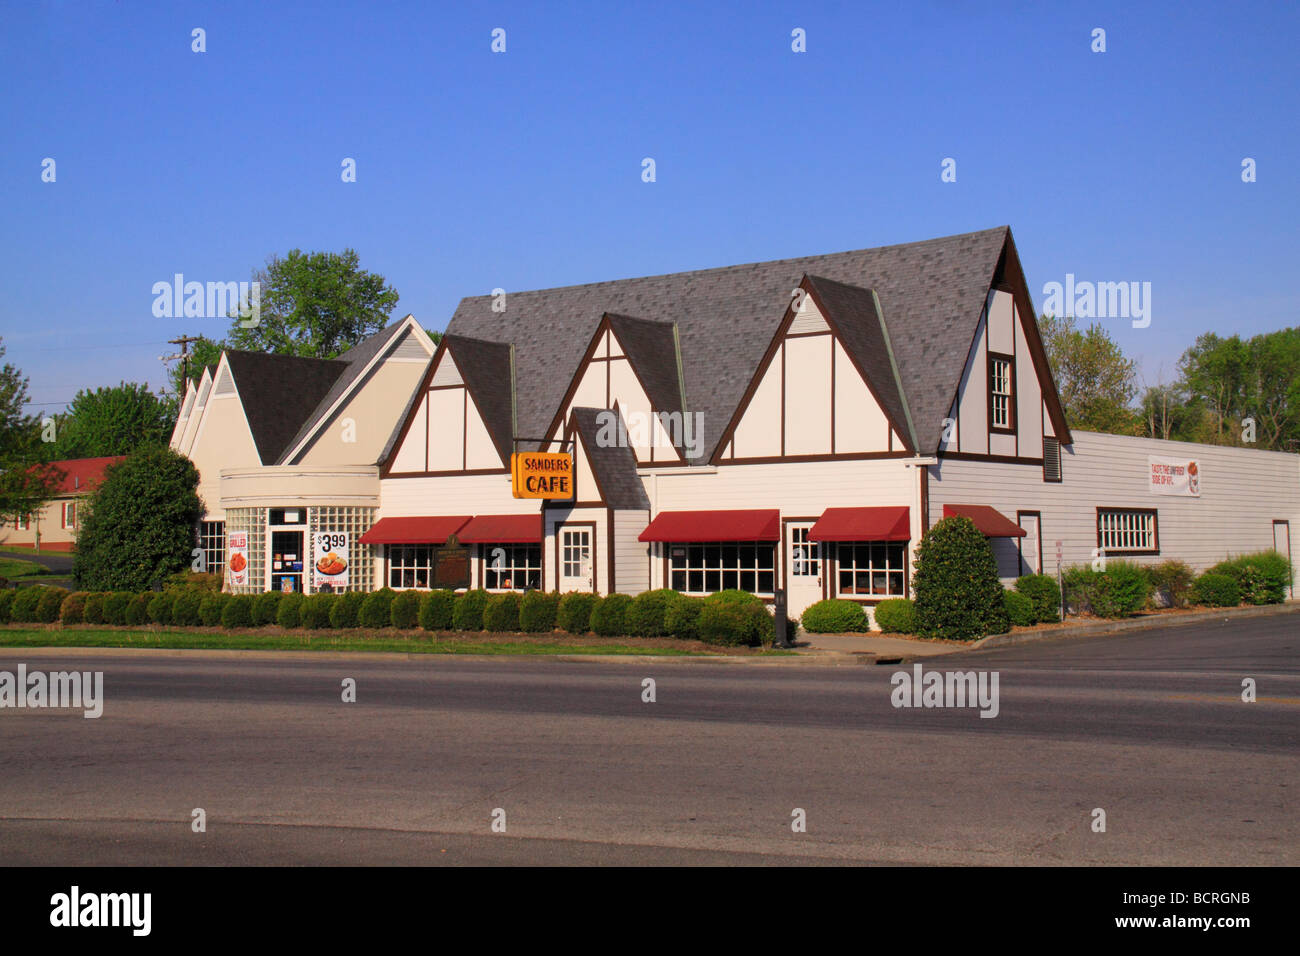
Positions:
{"x": 931, "y": 295}
{"x": 653, "y": 353}
{"x": 485, "y": 367}
{"x": 613, "y": 465}
{"x": 279, "y": 393}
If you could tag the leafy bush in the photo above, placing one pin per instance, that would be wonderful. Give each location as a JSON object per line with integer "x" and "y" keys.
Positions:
{"x": 160, "y": 607}
{"x": 377, "y": 609}
{"x": 137, "y": 609}
{"x": 207, "y": 582}
{"x": 73, "y": 608}
{"x": 265, "y": 607}
{"x": 501, "y": 613}
{"x": 1171, "y": 582}
{"x": 836, "y": 616}
{"x": 1044, "y": 595}
{"x": 682, "y": 619}
{"x": 1216, "y": 590}
{"x": 436, "y": 609}
{"x": 1020, "y": 609}
{"x": 537, "y": 611}
{"x": 1121, "y": 590}
{"x": 7, "y": 596}
{"x": 315, "y": 611}
{"x": 405, "y": 609}
{"x": 734, "y": 623}
{"x": 47, "y": 608}
{"x": 115, "y": 605}
{"x": 186, "y": 605}
{"x": 211, "y": 608}
{"x": 574, "y": 614}
{"x": 288, "y": 613}
{"x": 894, "y": 616}
{"x": 238, "y": 611}
{"x": 346, "y": 611}
{"x": 958, "y": 595}
{"x": 609, "y": 616}
{"x": 467, "y": 612}
{"x": 1262, "y": 578}
{"x": 93, "y": 612}
{"x": 23, "y": 608}
{"x": 646, "y": 617}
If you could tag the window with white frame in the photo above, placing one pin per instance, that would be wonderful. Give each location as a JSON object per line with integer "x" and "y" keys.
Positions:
{"x": 872, "y": 568}
{"x": 708, "y": 567}
{"x": 69, "y": 519}
{"x": 804, "y": 556}
{"x": 23, "y": 522}
{"x": 212, "y": 540}
{"x": 410, "y": 565}
{"x": 1128, "y": 531}
{"x": 512, "y": 567}
{"x": 1001, "y": 376}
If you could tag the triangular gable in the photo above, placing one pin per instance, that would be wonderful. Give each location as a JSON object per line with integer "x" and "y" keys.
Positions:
{"x": 187, "y": 406}
{"x": 224, "y": 437}
{"x": 604, "y": 463}
{"x": 201, "y": 389}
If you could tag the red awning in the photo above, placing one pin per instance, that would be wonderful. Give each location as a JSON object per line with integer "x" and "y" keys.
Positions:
{"x": 502, "y": 529}
{"x": 886, "y": 523}
{"x": 758, "y": 525}
{"x": 422, "y": 529}
{"x": 991, "y": 522}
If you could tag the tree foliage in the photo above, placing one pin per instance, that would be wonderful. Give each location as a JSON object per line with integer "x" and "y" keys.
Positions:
{"x": 27, "y": 481}
{"x": 1097, "y": 384}
{"x": 113, "y": 420}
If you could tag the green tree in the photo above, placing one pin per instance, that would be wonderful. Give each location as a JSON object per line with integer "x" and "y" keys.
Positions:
{"x": 26, "y": 480}
{"x": 139, "y": 525}
{"x": 315, "y": 304}
{"x": 1097, "y": 384}
{"x": 113, "y": 420}
{"x": 1215, "y": 374}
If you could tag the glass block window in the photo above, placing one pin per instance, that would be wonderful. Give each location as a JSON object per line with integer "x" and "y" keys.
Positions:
{"x": 512, "y": 567}
{"x": 252, "y": 521}
{"x": 362, "y": 561}
{"x": 709, "y": 567}
{"x": 212, "y": 539}
{"x": 872, "y": 568}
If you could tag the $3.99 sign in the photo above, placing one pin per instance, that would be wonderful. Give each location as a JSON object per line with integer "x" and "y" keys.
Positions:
{"x": 330, "y": 570}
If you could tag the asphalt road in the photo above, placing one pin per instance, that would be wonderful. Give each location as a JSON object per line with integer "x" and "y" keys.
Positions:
{"x": 1149, "y": 727}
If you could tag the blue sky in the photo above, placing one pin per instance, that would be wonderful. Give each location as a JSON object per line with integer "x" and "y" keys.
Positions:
{"x": 523, "y": 170}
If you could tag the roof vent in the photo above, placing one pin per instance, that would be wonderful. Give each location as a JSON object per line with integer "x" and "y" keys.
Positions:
{"x": 1051, "y": 459}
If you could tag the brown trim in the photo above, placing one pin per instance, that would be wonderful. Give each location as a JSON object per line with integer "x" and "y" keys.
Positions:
{"x": 847, "y": 456}
{"x": 1020, "y": 542}
{"x": 1015, "y": 382}
{"x": 783, "y": 398}
{"x": 1011, "y": 381}
{"x": 425, "y": 399}
{"x": 557, "y": 422}
{"x": 447, "y": 474}
{"x": 384, "y": 471}
{"x": 444, "y": 388}
{"x": 571, "y": 434}
{"x": 464, "y": 429}
{"x": 834, "y": 362}
{"x": 925, "y": 499}
{"x": 1286, "y": 524}
{"x": 560, "y": 527}
{"x": 609, "y": 551}
{"x": 808, "y": 335}
{"x": 1001, "y": 459}
{"x": 1155, "y": 529}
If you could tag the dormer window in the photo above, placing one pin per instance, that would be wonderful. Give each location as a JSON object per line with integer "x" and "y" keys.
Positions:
{"x": 1002, "y": 376}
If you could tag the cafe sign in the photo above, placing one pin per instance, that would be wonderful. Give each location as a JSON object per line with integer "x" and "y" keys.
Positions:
{"x": 542, "y": 474}
{"x": 1174, "y": 476}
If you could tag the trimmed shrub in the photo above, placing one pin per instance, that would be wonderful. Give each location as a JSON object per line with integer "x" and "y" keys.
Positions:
{"x": 1171, "y": 583}
{"x": 93, "y": 612}
{"x": 734, "y": 623}
{"x": 160, "y": 607}
{"x": 467, "y": 612}
{"x": 186, "y": 605}
{"x": 265, "y": 607}
{"x": 1216, "y": 590}
{"x": 6, "y": 603}
{"x": 1044, "y": 595}
{"x": 1080, "y": 584}
{"x": 137, "y": 609}
{"x": 682, "y": 618}
{"x": 238, "y": 611}
{"x": 404, "y": 612}
{"x": 315, "y": 611}
{"x": 377, "y": 609}
{"x": 346, "y": 611}
{"x": 574, "y": 613}
{"x": 1262, "y": 577}
{"x": 436, "y": 609}
{"x": 537, "y": 611}
{"x": 501, "y": 613}
{"x": 733, "y": 596}
{"x": 115, "y": 604}
{"x": 958, "y": 595}
{"x": 23, "y": 609}
{"x": 835, "y": 616}
{"x": 894, "y": 616}
{"x": 1121, "y": 590}
{"x": 211, "y": 607}
{"x": 288, "y": 613}
{"x": 73, "y": 608}
{"x": 645, "y": 618}
{"x": 47, "y": 608}
{"x": 208, "y": 582}
{"x": 1020, "y": 609}
{"x": 609, "y": 616}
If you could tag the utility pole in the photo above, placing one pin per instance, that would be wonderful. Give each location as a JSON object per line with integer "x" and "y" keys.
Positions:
{"x": 184, "y": 342}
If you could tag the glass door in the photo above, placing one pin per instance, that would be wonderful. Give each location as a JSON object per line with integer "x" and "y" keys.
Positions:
{"x": 287, "y": 559}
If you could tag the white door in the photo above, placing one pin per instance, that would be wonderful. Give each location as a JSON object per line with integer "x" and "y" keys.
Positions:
{"x": 576, "y": 570}
{"x": 1282, "y": 545}
{"x": 803, "y": 567}
{"x": 1031, "y": 560}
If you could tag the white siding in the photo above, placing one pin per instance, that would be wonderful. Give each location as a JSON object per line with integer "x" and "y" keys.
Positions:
{"x": 450, "y": 495}
{"x": 808, "y": 395}
{"x": 860, "y": 423}
{"x": 446, "y": 429}
{"x": 973, "y": 411}
{"x": 1029, "y": 398}
{"x": 631, "y": 557}
{"x": 758, "y": 433}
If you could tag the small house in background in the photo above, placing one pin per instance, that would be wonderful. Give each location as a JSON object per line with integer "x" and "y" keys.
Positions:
{"x": 54, "y": 527}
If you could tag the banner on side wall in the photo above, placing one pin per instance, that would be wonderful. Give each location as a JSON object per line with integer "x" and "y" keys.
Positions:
{"x": 1174, "y": 476}
{"x": 237, "y": 563}
{"x": 330, "y": 572}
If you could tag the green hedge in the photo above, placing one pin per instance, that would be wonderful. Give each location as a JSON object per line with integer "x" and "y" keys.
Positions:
{"x": 1262, "y": 577}
{"x": 1216, "y": 590}
{"x": 501, "y": 613}
{"x": 7, "y": 596}
{"x": 1044, "y": 594}
{"x": 346, "y": 611}
{"x": 734, "y": 619}
{"x": 377, "y": 608}
{"x": 137, "y": 609}
{"x": 574, "y": 614}
{"x": 93, "y": 612}
{"x": 266, "y": 607}
{"x": 73, "y": 608}
{"x": 647, "y": 617}
{"x": 47, "y": 608}
{"x": 1020, "y": 609}
{"x": 211, "y": 607}
{"x": 609, "y": 616}
{"x": 160, "y": 607}
{"x": 894, "y": 616}
{"x": 185, "y": 607}
{"x": 836, "y": 616}
{"x": 315, "y": 611}
{"x": 1172, "y": 578}
{"x": 23, "y": 608}
{"x": 957, "y": 592}
{"x": 238, "y": 611}
{"x": 436, "y": 608}
{"x": 404, "y": 612}
{"x": 467, "y": 613}
{"x": 288, "y": 612}
{"x": 1121, "y": 590}
{"x": 537, "y": 611}
{"x": 682, "y": 619}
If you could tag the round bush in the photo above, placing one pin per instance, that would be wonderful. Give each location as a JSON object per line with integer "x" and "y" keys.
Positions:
{"x": 160, "y": 607}
{"x": 1216, "y": 590}
{"x": 238, "y": 611}
{"x": 537, "y": 611}
{"x": 646, "y": 616}
{"x": 574, "y": 612}
{"x": 137, "y": 609}
{"x": 1020, "y": 610}
{"x": 73, "y": 608}
{"x": 836, "y": 617}
{"x": 682, "y": 618}
{"x": 265, "y": 607}
{"x": 289, "y": 611}
{"x": 6, "y": 603}
{"x": 93, "y": 612}
{"x": 895, "y": 616}
{"x": 1171, "y": 582}
{"x": 1262, "y": 578}
{"x": 958, "y": 595}
{"x": 346, "y": 611}
{"x": 211, "y": 607}
{"x": 467, "y": 613}
{"x": 405, "y": 609}
{"x": 115, "y": 603}
{"x": 501, "y": 613}
{"x": 47, "y": 608}
{"x": 376, "y": 609}
{"x": 734, "y": 623}
{"x": 315, "y": 611}
{"x": 185, "y": 607}
{"x": 436, "y": 609}
{"x": 609, "y": 616}
{"x": 23, "y": 608}
{"x": 1121, "y": 590}
{"x": 1044, "y": 595}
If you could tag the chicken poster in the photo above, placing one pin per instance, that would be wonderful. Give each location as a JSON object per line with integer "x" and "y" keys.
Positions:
{"x": 238, "y": 541}
{"x": 330, "y": 570}
{"x": 1174, "y": 476}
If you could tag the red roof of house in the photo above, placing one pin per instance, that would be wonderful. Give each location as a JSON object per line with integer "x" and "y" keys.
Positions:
{"x": 81, "y": 475}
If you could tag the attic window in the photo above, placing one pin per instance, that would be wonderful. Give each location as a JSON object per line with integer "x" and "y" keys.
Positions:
{"x": 1002, "y": 375}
